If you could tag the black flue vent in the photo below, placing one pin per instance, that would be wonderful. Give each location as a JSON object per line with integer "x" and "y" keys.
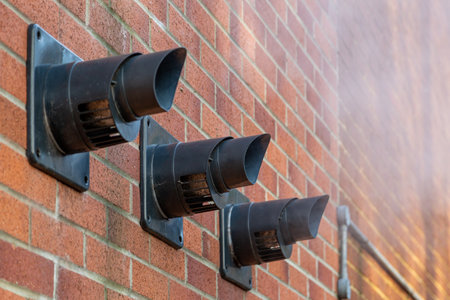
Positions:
{"x": 267, "y": 246}
{"x": 98, "y": 123}
{"x": 196, "y": 193}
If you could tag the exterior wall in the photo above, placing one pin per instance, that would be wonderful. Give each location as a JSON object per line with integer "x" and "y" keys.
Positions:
{"x": 253, "y": 66}
{"x": 394, "y": 132}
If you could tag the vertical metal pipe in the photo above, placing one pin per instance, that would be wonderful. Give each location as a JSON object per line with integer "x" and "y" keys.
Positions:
{"x": 344, "y": 289}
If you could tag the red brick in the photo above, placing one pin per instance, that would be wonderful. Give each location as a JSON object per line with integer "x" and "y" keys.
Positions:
{"x": 296, "y": 27}
{"x": 322, "y": 180}
{"x": 276, "y": 51}
{"x": 188, "y": 103}
{"x": 213, "y": 125}
{"x": 207, "y": 220}
{"x": 214, "y": 66}
{"x": 76, "y": 7}
{"x": 76, "y": 38}
{"x": 324, "y": 44}
{"x": 297, "y": 178}
{"x": 183, "y": 32}
{"x": 13, "y": 122}
{"x": 265, "y": 64}
{"x": 160, "y": 39}
{"x": 315, "y": 291}
{"x": 305, "y": 16}
{"x": 19, "y": 175}
{"x": 254, "y": 79}
{"x": 136, "y": 201}
{"x": 286, "y": 38}
{"x": 108, "y": 28}
{"x": 325, "y": 275}
{"x": 267, "y": 285}
{"x": 82, "y": 209}
{"x": 230, "y": 52}
{"x": 280, "y": 8}
{"x": 179, "y": 292}
{"x": 74, "y": 286}
{"x": 325, "y": 92}
{"x": 285, "y": 190}
{"x": 220, "y": 11}
{"x": 241, "y": 94}
{"x": 128, "y": 235}
{"x": 227, "y": 290}
{"x": 317, "y": 246}
{"x": 277, "y": 159}
{"x": 148, "y": 282}
{"x": 126, "y": 157}
{"x": 13, "y": 217}
{"x": 211, "y": 250}
{"x": 267, "y": 14}
{"x": 228, "y": 110}
{"x": 193, "y": 134}
{"x": 314, "y": 147}
{"x": 287, "y": 294}
{"x": 264, "y": 119}
{"x": 25, "y": 268}
{"x": 56, "y": 237}
{"x": 295, "y": 125}
{"x": 308, "y": 262}
{"x": 268, "y": 177}
{"x": 157, "y": 8}
{"x": 167, "y": 258}
{"x": 250, "y": 127}
{"x": 242, "y": 37}
{"x": 192, "y": 237}
{"x": 110, "y": 185}
{"x": 173, "y": 122}
{"x": 279, "y": 269}
{"x": 287, "y": 90}
{"x": 107, "y": 262}
{"x": 255, "y": 192}
{"x": 305, "y": 162}
{"x": 200, "y": 81}
{"x": 13, "y": 26}
{"x": 4, "y": 294}
{"x": 256, "y": 26}
{"x": 305, "y": 64}
{"x": 250, "y": 296}
{"x": 112, "y": 295}
{"x": 201, "y": 276}
{"x": 42, "y": 12}
{"x": 314, "y": 99}
{"x": 286, "y": 142}
{"x": 298, "y": 280}
{"x": 13, "y": 76}
{"x": 201, "y": 20}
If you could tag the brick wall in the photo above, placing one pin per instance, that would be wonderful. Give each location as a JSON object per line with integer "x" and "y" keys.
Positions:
{"x": 253, "y": 66}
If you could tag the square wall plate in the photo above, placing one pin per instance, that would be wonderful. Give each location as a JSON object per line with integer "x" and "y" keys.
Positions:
{"x": 73, "y": 169}
{"x": 152, "y": 221}
{"x": 229, "y": 270}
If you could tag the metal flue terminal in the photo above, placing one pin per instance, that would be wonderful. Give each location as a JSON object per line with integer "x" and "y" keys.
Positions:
{"x": 98, "y": 103}
{"x": 76, "y": 106}
{"x": 265, "y": 231}
{"x": 195, "y": 177}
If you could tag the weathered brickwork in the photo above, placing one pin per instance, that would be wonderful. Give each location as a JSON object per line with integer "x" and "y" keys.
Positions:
{"x": 352, "y": 93}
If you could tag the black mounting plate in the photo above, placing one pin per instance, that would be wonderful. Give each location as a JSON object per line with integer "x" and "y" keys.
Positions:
{"x": 152, "y": 221}
{"x": 229, "y": 270}
{"x": 73, "y": 169}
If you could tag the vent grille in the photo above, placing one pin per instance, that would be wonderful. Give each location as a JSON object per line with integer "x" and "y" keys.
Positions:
{"x": 196, "y": 193}
{"x": 267, "y": 246}
{"x": 98, "y": 123}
